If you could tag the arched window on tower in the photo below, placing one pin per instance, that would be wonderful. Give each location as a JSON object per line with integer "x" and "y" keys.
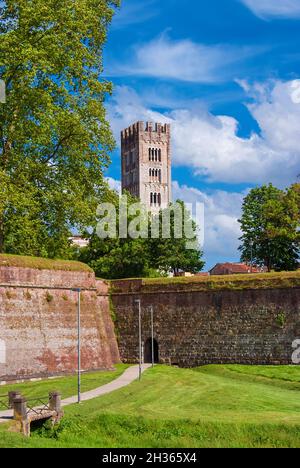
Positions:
{"x": 149, "y": 154}
{"x": 150, "y": 173}
{"x": 151, "y": 198}
{"x": 156, "y": 173}
{"x": 159, "y": 199}
{"x": 153, "y": 155}
{"x": 156, "y": 155}
{"x": 159, "y": 155}
{"x": 155, "y": 199}
{"x": 159, "y": 175}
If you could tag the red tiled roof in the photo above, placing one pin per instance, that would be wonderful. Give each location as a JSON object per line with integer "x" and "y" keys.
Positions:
{"x": 235, "y": 268}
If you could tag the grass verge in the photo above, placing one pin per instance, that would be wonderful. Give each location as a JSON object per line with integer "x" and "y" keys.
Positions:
{"x": 212, "y": 406}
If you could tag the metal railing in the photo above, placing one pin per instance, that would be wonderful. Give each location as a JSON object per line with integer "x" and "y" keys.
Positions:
{"x": 4, "y": 402}
{"x": 37, "y": 408}
{"x": 38, "y": 405}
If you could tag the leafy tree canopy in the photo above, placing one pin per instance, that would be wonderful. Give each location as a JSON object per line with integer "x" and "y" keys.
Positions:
{"x": 270, "y": 223}
{"x": 115, "y": 258}
{"x": 179, "y": 252}
{"x": 54, "y": 137}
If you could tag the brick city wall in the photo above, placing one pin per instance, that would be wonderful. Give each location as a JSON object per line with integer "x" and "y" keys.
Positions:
{"x": 195, "y": 327}
{"x": 38, "y": 323}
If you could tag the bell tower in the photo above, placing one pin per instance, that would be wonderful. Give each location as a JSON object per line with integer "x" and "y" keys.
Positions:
{"x": 146, "y": 163}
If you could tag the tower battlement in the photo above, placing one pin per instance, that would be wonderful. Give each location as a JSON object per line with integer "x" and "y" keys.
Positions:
{"x": 157, "y": 127}
{"x": 142, "y": 127}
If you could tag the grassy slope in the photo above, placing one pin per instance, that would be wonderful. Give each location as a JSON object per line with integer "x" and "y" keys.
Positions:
{"x": 217, "y": 406}
{"x": 41, "y": 263}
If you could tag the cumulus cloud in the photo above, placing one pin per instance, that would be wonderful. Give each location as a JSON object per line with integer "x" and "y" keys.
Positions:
{"x": 221, "y": 213}
{"x": 274, "y": 8}
{"x": 181, "y": 60}
{"x": 134, "y": 12}
{"x": 210, "y": 144}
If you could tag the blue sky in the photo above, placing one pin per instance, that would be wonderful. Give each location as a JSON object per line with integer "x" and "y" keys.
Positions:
{"x": 225, "y": 74}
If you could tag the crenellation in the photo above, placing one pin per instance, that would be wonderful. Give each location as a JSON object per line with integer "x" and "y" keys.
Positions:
{"x": 149, "y": 127}
{"x": 159, "y": 128}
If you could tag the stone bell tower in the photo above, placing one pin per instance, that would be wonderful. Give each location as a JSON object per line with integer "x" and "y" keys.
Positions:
{"x": 146, "y": 163}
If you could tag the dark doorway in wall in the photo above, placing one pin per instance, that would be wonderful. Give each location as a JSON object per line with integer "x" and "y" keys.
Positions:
{"x": 148, "y": 352}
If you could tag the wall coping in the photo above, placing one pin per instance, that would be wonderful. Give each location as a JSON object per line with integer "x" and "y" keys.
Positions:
{"x": 11, "y": 276}
{"x": 263, "y": 281}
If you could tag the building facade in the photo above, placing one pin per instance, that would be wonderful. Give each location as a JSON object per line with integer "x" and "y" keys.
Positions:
{"x": 235, "y": 269}
{"x": 146, "y": 163}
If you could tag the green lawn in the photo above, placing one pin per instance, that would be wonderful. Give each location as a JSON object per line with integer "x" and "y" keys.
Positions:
{"x": 212, "y": 406}
{"x": 66, "y": 385}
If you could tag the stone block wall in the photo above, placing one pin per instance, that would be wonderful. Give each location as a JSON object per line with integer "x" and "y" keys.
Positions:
{"x": 195, "y": 327}
{"x": 195, "y": 322}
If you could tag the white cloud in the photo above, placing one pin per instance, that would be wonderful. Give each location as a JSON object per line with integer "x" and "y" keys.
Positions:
{"x": 114, "y": 184}
{"x": 181, "y": 60}
{"x": 274, "y": 8}
{"x": 210, "y": 144}
{"x": 222, "y": 211}
{"x": 134, "y": 12}
{"x": 127, "y": 108}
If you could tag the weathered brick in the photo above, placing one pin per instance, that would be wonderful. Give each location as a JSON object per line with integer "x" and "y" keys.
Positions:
{"x": 38, "y": 327}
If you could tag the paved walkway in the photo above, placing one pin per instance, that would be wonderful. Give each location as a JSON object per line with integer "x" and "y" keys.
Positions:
{"x": 130, "y": 375}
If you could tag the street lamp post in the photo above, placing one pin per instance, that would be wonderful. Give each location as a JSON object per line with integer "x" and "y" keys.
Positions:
{"x": 251, "y": 255}
{"x": 152, "y": 336}
{"x": 138, "y": 301}
{"x": 78, "y": 345}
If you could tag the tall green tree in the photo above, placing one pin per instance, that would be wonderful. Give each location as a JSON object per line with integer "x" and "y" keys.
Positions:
{"x": 179, "y": 252}
{"x": 269, "y": 223}
{"x": 54, "y": 136}
{"x": 115, "y": 257}
{"x": 144, "y": 256}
